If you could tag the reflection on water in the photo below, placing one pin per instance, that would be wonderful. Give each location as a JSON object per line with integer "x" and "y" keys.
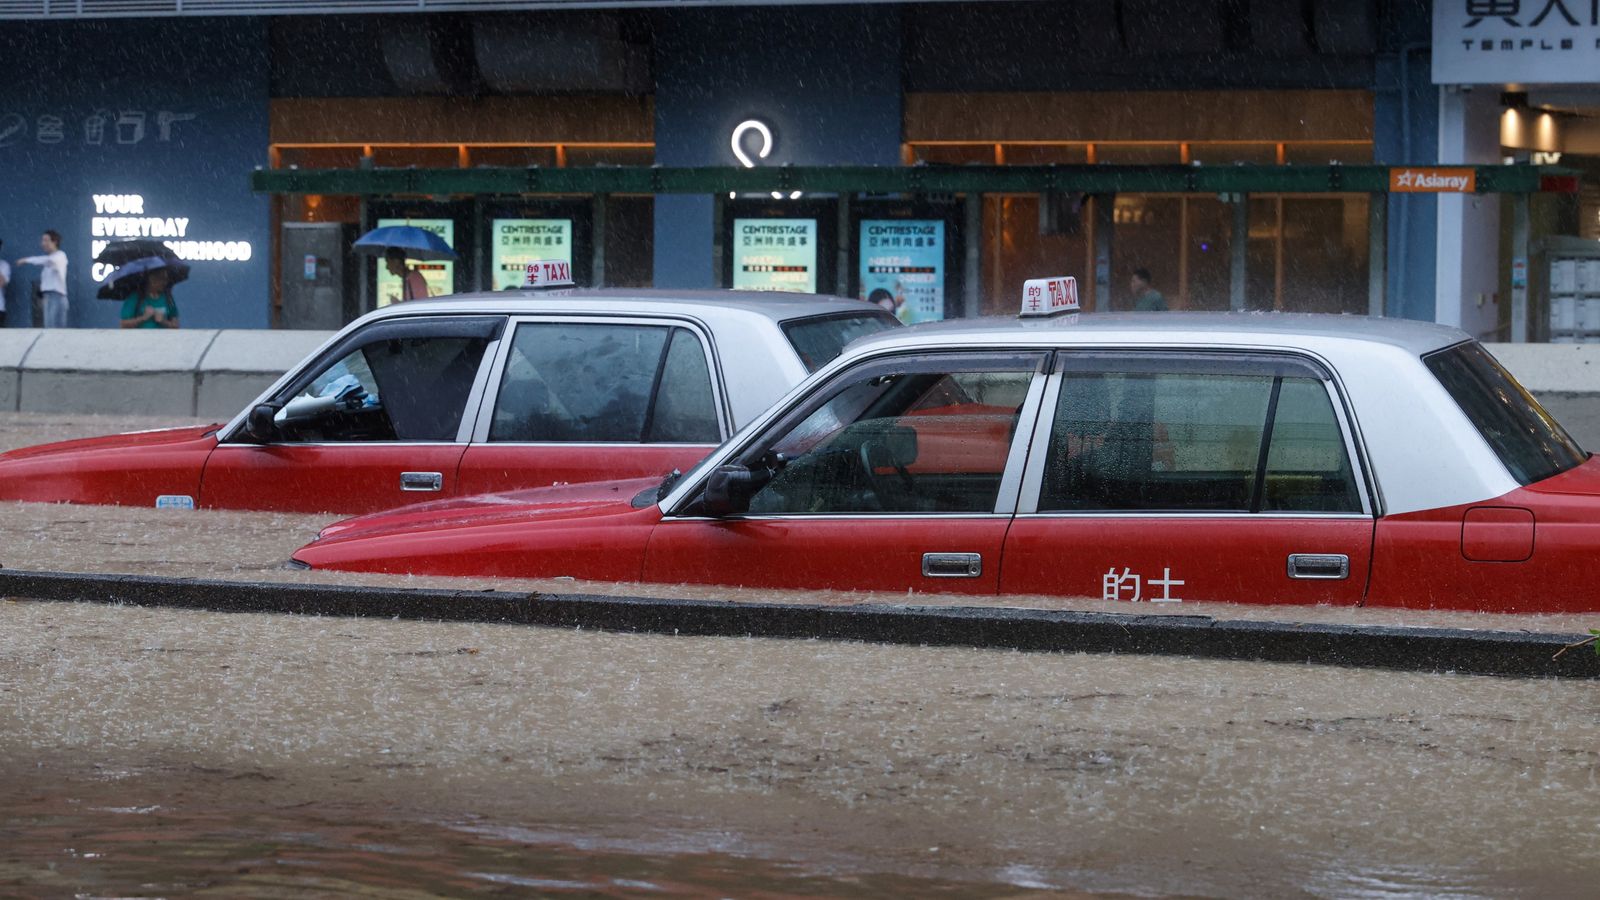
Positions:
{"x": 55, "y": 845}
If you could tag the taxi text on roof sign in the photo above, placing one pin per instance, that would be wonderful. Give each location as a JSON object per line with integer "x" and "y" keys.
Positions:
{"x": 1413, "y": 180}
{"x": 1049, "y": 296}
{"x": 547, "y": 273}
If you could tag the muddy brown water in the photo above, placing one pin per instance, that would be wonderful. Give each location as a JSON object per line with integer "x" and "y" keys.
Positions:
{"x": 150, "y": 752}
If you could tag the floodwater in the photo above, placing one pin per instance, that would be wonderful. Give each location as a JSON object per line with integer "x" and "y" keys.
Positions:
{"x": 151, "y": 752}
{"x": 165, "y": 752}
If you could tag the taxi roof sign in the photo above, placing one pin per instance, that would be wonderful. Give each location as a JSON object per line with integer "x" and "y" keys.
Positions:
{"x": 543, "y": 273}
{"x": 1049, "y": 296}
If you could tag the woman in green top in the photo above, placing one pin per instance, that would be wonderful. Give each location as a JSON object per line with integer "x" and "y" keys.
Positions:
{"x": 151, "y": 306}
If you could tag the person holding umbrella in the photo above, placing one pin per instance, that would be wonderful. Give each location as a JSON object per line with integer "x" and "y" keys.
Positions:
{"x": 413, "y": 286}
{"x": 398, "y": 244}
{"x": 151, "y": 304}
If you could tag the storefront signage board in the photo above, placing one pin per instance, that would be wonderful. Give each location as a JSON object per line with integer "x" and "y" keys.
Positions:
{"x": 440, "y": 274}
{"x": 1515, "y": 41}
{"x": 775, "y": 255}
{"x": 903, "y": 267}
{"x": 1432, "y": 180}
{"x": 514, "y": 243}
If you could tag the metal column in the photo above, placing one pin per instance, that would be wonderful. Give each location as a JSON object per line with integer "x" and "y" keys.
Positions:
{"x": 972, "y": 270}
{"x": 1239, "y": 249}
{"x": 842, "y": 266}
{"x": 597, "y": 241}
{"x": 1105, "y": 225}
{"x": 719, "y": 247}
{"x": 1520, "y": 228}
{"x": 1377, "y": 252}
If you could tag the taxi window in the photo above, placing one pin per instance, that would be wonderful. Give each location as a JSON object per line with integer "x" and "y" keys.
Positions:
{"x": 819, "y": 340}
{"x": 1531, "y": 444}
{"x": 602, "y": 383}
{"x": 927, "y": 439}
{"x": 1196, "y": 442}
{"x": 397, "y": 389}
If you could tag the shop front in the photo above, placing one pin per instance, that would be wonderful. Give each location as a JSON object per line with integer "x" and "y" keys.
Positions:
{"x": 1520, "y": 83}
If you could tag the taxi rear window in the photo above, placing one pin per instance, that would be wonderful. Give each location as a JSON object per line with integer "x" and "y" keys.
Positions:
{"x": 820, "y": 339}
{"x": 1531, "y": 444}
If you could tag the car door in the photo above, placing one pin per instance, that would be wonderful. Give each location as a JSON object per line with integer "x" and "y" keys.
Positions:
{"x": 583, "y": 399}
{"x": 1181, "y": 476}
{"x": 898, "y": 473}
{"x": 378, "y": 421}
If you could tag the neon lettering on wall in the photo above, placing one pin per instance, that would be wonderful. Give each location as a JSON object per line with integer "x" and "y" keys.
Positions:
{"x": 121, "y": 217}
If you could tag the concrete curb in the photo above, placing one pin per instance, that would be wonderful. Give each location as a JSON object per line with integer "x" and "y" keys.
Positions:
{"x": 1509, "y": 653}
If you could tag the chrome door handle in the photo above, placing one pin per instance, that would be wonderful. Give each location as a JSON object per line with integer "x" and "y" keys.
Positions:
{"x": 952, "y": 565}
{"x": 1319, "y": 566}
{"x": 421, "y": 481}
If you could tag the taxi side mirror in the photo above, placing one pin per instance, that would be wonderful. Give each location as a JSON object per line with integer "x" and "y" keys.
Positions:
{"x": 260, "y": 426}
{"x": 729, "y": 489}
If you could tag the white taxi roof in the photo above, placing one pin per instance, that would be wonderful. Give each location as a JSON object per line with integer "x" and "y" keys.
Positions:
{"x": 774, "y": 305}
{"x": 1299, "y": 331}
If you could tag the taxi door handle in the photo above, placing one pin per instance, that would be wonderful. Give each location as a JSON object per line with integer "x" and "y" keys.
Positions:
{"x": 421, "y": 481}
{"x": 952, "y": 565}
{"x": 1319, "y": 566}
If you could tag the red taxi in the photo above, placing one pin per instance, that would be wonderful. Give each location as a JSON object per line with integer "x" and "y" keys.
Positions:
{"x": 1162, "y": 458}
{"x": 472, "y": 394}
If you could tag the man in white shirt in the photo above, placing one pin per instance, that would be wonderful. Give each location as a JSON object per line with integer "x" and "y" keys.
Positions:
{"x": 52, "y": 278}
{"x": 5, "y": 281}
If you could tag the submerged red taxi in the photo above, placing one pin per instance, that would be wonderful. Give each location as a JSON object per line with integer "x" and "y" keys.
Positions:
{"x": 469, "y": 394}
{"x": 1155, "y": 458}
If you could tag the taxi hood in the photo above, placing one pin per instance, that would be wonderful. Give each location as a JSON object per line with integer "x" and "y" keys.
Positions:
{"x": 127, "y": 441}
{"x": 543, "y": 504}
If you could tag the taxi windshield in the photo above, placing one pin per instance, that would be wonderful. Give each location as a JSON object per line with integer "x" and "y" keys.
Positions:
{"x": 818, "y": 340}
{"x": 1529, "y": 441}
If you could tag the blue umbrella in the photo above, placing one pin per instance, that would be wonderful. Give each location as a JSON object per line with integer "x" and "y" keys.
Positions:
{"x": 129, "y": 277}
{"x": 418, "y": 243}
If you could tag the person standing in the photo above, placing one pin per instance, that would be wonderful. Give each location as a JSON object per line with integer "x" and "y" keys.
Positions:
{"x": 5, "y": 282}
{"x": 52, "y": 278}
{"x": 151, "y": 306}
{"x": 413, "y": 286}
{"x": 1145, "y": 296}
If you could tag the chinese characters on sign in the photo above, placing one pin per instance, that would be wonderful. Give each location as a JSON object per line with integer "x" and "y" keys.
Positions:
{"x": 439, "y": 274}
{"x": 902, "y": 267}
{"x": 1128, "y": 586}
{"x": 1528, "y": 41}
{"x": 547, "y": 273}
{"x": 1049, "y": 296}
{"x": 518, "y": 242}
{"x": 775, "y": 255}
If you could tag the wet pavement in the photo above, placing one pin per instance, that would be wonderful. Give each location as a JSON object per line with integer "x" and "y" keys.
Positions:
{"x": 149, "y": 752}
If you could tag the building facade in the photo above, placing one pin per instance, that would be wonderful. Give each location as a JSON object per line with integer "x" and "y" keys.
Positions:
{"x": 152, "y": 125}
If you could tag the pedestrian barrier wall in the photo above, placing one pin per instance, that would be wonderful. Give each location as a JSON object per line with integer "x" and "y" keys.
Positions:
{"x": 145, "y": 372}
{"x": 213, "y": 374}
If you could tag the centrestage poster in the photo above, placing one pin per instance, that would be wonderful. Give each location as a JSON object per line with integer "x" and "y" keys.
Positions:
{"x": 775, "y": 255}
{"x": 902, "y": 267}
{"x": 440, "y": 274}
{"x": 517, "y": 242}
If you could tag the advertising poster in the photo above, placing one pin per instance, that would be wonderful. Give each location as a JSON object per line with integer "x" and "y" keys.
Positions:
{"x": 775, "y": 255}
{"x": 440, "y": 274}
{"x": 902, "y": 267}
{"x": 516, "y": 242}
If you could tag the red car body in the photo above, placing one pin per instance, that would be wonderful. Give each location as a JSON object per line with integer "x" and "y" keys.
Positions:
{"x": 741, "y": 352}
{"x": 1405, "y": 495}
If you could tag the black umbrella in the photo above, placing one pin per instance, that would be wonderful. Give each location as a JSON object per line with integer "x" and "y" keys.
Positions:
{"x": 130, "y": 277}
{"x": 120, "y": 253}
